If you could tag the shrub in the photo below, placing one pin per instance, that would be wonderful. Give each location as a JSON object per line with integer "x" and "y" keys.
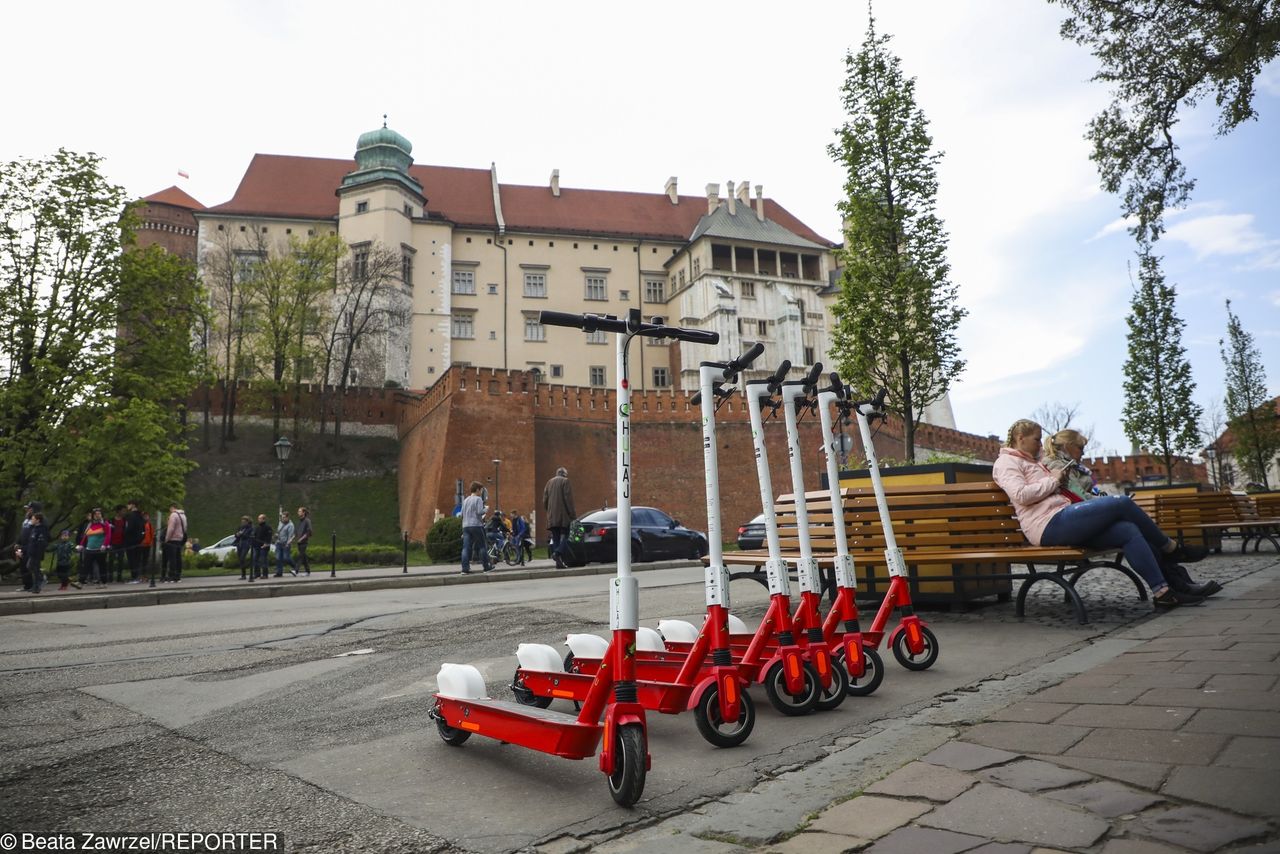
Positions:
{"x": 444, "y": 540}
{"x": 204, "y": 561}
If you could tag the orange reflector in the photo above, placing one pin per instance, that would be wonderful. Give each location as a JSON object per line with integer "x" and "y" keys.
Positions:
{"x": 731, "y": 691}
{"x": 468, "y": 725}
{"x": 824, "y": 666}
{"x": 793, "y": 665}
{"x": 568, "y": 695}
{"x": 913, "y": 633}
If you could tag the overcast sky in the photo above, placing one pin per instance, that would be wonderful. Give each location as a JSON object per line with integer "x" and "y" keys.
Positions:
{"x": 621, "y": 97}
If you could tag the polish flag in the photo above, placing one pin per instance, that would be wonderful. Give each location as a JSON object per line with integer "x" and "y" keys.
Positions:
{"x": 182, "y": 174}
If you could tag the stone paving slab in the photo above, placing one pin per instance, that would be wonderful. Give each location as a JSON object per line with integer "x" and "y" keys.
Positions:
{"x": 1252, "y": 752}
{"x": 1198, "y": 828}
{"x": 914, "y": 840}
{"x": 1138, "y": 846}
{"x": 1027, "y": 738}
{"x": 997, "y": 813}
{"x": 1148, "y": 775}
{"x": 868, "y": 816}
{"x": 1238, "y": 682}
{"x": 1215, "y": 667}
{"x": 1131, "y": 717}
{"x": 1245, "y": 790}
{"x": 1234, "y": 722}
{"x": 1210, "y": 699}
{"x": 1121, "y": 694}
{"x": 923, "y": 780}
{"x": 1106, "y": 798}
{"x": 1033, "y": 775}
{"x": 1032, "y": 712}
{"x": 1179, "y": 748}
{"x": 816, "y": 843}
{"x": 963, "y": 756}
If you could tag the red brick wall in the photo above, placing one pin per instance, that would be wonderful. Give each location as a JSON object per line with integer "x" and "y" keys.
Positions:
{"x": 1136, "y": 468}
{"x": 171, "y": 227}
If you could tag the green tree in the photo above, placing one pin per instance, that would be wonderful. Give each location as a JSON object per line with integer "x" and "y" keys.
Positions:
{"x": 1159, "y": 412}
{"x": 1251, "y": 411}
{"x": 1161, "y": 58}
{"x": 897, "y": 313}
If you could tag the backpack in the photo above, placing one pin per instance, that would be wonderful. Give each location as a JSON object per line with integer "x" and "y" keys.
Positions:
{"x": 148, "y": 534}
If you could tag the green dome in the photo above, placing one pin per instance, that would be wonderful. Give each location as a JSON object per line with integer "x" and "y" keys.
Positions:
{"x": 383, "y": 149}
{"x": 383, "y": 136}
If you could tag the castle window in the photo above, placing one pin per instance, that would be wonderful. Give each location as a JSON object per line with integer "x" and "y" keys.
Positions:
{"x": 661, "y": 378}
{"x": 535, "y": 285}
{"x": 597, "y": 375}
{"x": 748, "y": 290}
{"x": 557, "y": 371}
{"x": 599, "y": 336}
{"x": 624, "y": 295}
{"x": 408, "y": 210}
{"x": 493, "y": 288}
{"x": 464, "y": 282}
{"x": 533, "y": 330}
{"x": 464, "y": 325}
{"x": 597, "y": 288}
{"x": 808, "y": 356}
{"x": 697, "y": 267}
{"x": 360, "y": 262}
{"x": 654, "y": 290}
{"x": 406, "y": 269}
{"x": 362, "y": 207}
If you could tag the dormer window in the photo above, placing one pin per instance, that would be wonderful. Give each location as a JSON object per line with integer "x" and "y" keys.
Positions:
{"x": 362, "y": 207}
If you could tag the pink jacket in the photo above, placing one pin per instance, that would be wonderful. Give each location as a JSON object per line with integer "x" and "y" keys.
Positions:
{"x": 1032, "y": 488}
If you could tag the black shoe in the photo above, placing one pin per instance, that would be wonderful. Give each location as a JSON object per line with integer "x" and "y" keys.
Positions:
{"x": 465, "y": 572}
{"x": 1189, "y": 554}
{"x": 1208, "y": 589}
{"x": 1172, "y": 599}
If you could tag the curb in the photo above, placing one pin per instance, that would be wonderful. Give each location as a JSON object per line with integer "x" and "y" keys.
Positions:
{"x": 172, "y": 595}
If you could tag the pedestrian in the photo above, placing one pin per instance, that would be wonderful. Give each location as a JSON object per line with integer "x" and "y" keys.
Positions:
{"x": 148, "y": 550}
{"x": 63, "y": 550}
{"x": 82, "y": 559}
{"x": 261, "y": 547}
{"x": 93, "y": 548}
{"x": 36, "y": 545}
{"x": 175, "y": 537}
{"x": 473, "y": 541}
{"x": 304, "y": 539}
{"x": 20, "y": 547}
{"x": 557, "y": 500}
{"x": 116, "y": 556}
{"x": 520, "y": 536}
{"x": 244, "y": 544}
{"x": 135, "y": 529}
{"x": 284, "y": 539}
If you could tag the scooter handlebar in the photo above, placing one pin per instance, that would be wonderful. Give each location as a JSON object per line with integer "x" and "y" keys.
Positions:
{"x": 811, "y": 381}
{"x": 775, "y": 381}
{"x": 609, "y": 323}
{"x": 744, "y": 361}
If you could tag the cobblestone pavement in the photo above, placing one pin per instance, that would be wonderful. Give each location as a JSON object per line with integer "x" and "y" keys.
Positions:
{"x": 1161, "y": 735}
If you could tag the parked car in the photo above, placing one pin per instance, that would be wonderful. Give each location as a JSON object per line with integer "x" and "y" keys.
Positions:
{"x": 654, "y": 536}
{"x": 222, "y": 548}
{"x": 751, "y": 535}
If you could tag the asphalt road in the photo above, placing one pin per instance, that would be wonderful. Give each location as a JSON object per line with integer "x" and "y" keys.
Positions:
{"x": 308, "y": 714}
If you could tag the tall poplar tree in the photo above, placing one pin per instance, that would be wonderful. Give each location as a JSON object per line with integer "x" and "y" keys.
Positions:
{"x": 1159, "y": 412}
{"x": 897, "y": 313}
{"x": 1251, "y": 411}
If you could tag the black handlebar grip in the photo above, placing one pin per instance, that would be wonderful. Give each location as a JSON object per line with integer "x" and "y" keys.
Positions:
{"x": 696, "y": 399}
{"x": 740, "y": 363}
{"x": 814, "y": 373}
{"x": 836, "y": 385}
{"x": 560, "y": 318}
{"x": 878, "y": 402}
{"x": 697, "y": 336}
{"x": 781, "y": 374}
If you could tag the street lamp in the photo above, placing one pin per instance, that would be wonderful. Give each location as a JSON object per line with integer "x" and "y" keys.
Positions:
{"x": 496, "y": 463}
{"x": 283, "y": 448}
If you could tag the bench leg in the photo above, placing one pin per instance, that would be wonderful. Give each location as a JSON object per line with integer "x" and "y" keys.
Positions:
{"x": 1118, "y": 566}
{"x": 1082, "y": 616}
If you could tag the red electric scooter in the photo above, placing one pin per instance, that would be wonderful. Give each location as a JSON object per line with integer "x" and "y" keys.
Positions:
{"x": 462, "y": 707}
{"x": 712, "y": 688}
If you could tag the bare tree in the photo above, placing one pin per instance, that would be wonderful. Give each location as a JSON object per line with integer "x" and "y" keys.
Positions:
{"x": 1211, "y": 426}
{"x": 1057, "y": 416}
{"x": 229, "y": 265}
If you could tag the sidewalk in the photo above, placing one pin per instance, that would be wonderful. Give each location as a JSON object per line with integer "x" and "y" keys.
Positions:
{"x": 1163, "y": 736}
{"x": 217, "y": 587}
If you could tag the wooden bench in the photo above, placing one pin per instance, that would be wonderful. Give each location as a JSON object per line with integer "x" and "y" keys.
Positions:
{"x": 1268, "y": 503}
{"x": 1222, "y": 513}
{"x": 964, "y": 534}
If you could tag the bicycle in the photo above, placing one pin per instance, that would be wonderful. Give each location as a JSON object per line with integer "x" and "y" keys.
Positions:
{"x": 501, "y": 547}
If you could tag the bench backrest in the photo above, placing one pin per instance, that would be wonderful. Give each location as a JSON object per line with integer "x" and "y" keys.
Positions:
{"x": 969, "y": 516}
{"x": 1267, "y": 503}
{"x": 1204, "y": 508}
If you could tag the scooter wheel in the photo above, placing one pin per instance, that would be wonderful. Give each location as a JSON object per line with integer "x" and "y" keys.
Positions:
{"x": 451, "y": 735}
{"x": 626, "y": 783}
{"x": 775, "y": 685}
{"x": 927, "y": 656}
{"x": 831, "y": 698}
{"x": 872, "y": 675}
{"x": 712, "y": 726}
{"x": 524, "y": 696}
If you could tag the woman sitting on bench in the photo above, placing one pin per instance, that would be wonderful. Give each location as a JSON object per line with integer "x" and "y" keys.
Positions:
{"x": 1065, "y": 450}
{"x": 1051, "y": 517}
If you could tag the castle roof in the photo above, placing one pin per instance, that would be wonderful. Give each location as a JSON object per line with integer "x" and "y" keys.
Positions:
{"x": 287, "y": 186}
{"x": 176, "y": 197}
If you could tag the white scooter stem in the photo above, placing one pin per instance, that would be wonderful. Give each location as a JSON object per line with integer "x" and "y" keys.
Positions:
{"x": 755, "y": 392}
{"x": 892, "y": 554}
{"x": 844, "y": 561}
{"x": 624, "y": 590}
{"x": 806, "y": 566}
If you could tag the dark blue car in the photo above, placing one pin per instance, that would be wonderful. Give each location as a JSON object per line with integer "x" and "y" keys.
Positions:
{"x": 654, "y": 536}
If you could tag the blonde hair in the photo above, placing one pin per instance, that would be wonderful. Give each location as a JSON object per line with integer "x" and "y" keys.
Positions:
{"x": 1021, "y": 428}
{"x": 1059, "y": 441}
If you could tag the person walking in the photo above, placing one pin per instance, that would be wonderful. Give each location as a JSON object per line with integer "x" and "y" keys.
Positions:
{"x": 175, "y": 537}
{"x": 116, "y": 554}
{"x": 473, "y": 541}
{"x": 303, "y": 540}
{"x": 520, "y": 536}
{"x": 557, "y": 500}
{"x": 37, "y": 544}
{"x": 135, "y": 529}
{"x": 261, "y": 547}
{"x": 284, "y": 539}
{"x": 244, "y": 544}
{"x": 93, "y": 548}
{"x": 20, "y": 547}
{"x": 63, "y": 550}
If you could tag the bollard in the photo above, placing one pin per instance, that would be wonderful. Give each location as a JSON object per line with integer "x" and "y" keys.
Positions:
{"x": 333, "y": 556}
{"x": 406, "y": 551}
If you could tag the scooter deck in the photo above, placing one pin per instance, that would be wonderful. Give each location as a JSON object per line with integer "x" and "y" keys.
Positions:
{"x": 663, "y": 667}
{"x": 528, "y": 726}
{"x": 667, "y": 698}
{"x": 738, "y": 643}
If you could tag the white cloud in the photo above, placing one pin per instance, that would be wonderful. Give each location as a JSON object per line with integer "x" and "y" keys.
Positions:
{"x": 1221, "y": 234}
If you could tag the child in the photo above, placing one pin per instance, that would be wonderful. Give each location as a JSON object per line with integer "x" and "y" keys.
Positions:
{"x": 63, "y": 550}
{"x": 37, "y": 543}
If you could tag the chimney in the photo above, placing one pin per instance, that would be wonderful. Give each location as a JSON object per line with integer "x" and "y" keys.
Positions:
{"x": 713, "y": 198}
{"x": 670, "y": 190}
{"x": 744, "y": 193}
{"x": 731, "y": 198}
{"x": 760, "y": 202}
{"x": 555, "y": 182}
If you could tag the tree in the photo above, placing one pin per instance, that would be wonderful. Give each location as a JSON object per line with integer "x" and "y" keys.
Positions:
{"x": 1163, "y": 57}
{"x": 1057, "y": 416}
{"x": 72, "y": 399}
{"x": 1212, "y": 425}
{"x": 897, "y": 313}
{"x": 1159, "y": 412}
{"x": 229, "y": 267}
{"x": 1251, "y": 411}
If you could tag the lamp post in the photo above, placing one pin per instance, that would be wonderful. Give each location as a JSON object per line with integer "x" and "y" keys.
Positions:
{"x": 283, "y": 448}
{"x": 496, "y": 504}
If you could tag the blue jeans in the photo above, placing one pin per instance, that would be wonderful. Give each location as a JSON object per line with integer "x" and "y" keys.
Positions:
{"x": 1111, "y": 522}
{"x": 283, "y": 557}
{"x": 472, "y": 544}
